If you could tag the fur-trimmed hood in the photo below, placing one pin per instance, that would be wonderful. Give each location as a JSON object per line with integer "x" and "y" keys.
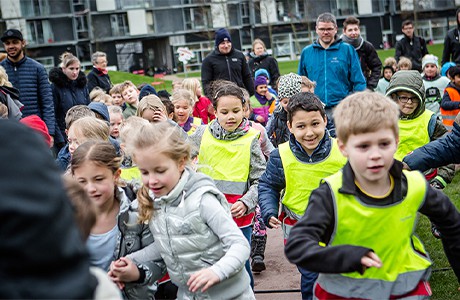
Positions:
{"x": 58, "y": 78}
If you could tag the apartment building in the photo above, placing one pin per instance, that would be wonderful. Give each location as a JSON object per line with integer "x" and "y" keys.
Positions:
{"x": 145, "y": 34}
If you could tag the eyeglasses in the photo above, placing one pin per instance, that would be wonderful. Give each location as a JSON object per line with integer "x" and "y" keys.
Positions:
{"x": 405, "y": 99}
{"x": 326, "y": 29}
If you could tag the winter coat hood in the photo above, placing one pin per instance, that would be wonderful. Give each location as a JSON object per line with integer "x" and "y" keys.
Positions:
{"x": 57, "y": 77}
{"x": 409, "y": 81}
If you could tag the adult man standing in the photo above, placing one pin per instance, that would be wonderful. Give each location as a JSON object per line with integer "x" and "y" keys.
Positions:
{"x": 30, "y": 78}
{"x": 226, "y": 63}
{"x": 451, "y": 50}
{"x": 98, "y": 76}
{"x": 411, "y": 46}
{"x": 370, "y": 61}
{"x": 333, "y": 64}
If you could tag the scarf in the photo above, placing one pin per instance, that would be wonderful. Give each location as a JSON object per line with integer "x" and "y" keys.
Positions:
{"x": 220, "y": 133}
{"x": 102, "y": 71}
{"x": 356, "y": 43}
{"x": 187, "y": 125}
{"x": 261, "y": 98}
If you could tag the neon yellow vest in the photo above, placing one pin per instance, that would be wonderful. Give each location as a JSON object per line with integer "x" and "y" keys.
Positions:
{"x": 132, "y": 173}
{"x": 302, "y": 178}
{"x": 197, "y": 122}
{"x": 413, "y": 134}
{"x": 228, "y": 163}
{"x": 389, "y": 231}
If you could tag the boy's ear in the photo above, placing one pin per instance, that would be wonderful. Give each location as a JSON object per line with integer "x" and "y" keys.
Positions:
{"x": 289, "y": 125}
{"x": 342, "y": 148}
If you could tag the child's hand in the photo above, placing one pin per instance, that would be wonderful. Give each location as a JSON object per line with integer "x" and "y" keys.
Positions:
{"x": 260, "y": 119}
{"x": 371, "y": 260}
{"x": 124, "y": 270}
{"x": 274, "y": 222}
{"x": 238, "y": 209}
{"x": 159, "y": 116}
{"x": 205, "y": 278}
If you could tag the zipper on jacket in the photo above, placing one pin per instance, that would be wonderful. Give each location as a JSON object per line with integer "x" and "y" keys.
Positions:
{"x": 228, "y": 68}
{"x": 325, "y": 77}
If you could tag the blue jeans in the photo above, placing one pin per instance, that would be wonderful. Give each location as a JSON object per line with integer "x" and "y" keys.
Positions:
{"x": 307, "y": 280}
{"x": 247, "y": 232}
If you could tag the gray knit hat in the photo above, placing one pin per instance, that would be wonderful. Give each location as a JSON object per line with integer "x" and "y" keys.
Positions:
{"x": 409, "y": 81}
{"x": 289, "y": 85}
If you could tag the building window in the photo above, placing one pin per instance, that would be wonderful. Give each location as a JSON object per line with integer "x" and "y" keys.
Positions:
{"x": 40, "y": 32}
{"x": 245, "y": 15}
{"x": 197, "y": 18}
{"x": 135, "y": 4}
{"x": 31, "y": 8}
{"x": 46, "y": 61}
{"x": 345, "y": 8}
{"x": 119, "y": 25}
{"x": 290, "y": 10}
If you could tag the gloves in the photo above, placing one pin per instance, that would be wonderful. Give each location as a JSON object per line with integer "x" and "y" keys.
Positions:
{"x": 438, "y": 183}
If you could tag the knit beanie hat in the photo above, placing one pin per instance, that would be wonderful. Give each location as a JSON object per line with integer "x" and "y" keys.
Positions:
{"x": 37, "y": 124}
{"x": 289, "y": 85}
{"x": 222, "y": 35}
{"x": 409, "y": 81}
{"x": 446, "y": 68}
{"x": 429, "y": 59}
{"x": 261, "y": 80}
{"x": 147, "y": 90}
{"x": 262, "y": 72}
{"x": 101, "y": 109}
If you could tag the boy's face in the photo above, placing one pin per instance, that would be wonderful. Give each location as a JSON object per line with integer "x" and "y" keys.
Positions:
{"x": 371, "y": 157}
{"x": 115, "y": 123}
{"x": 456, "y": 80}
{"x": 117, "y": 99}
{"x": 261, "y": 89}
{"x": 352, "y": 31}
{"x": 284, "y": 102}
{"x": 407, "y": 102}
{"x": 308, "y": 128}
{"x": 387, "y": 73}
{"x": 430, "y": 70}
{"x": 130, "y": 95}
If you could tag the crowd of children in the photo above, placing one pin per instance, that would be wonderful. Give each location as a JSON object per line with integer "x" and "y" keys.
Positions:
{"x": 182, "y": 188}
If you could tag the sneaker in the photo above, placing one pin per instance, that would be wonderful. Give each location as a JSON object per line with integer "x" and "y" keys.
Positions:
{"x": 435, "y": 231}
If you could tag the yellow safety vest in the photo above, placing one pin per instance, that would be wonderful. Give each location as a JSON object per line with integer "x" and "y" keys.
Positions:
{"x": 197, "y": 122}
{"x": 302, "y": 178}
{"x": 228, "y": 163}
{"x": 131, "y": 173}
{"x": 413, "y": 134}
{"x": 389, "y": 231}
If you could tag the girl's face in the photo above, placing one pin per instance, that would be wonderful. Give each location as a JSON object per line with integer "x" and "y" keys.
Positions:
{"x": 72, "y": 71}
{"x": 182, "y": 111}
{"x": 98, "y": 182}
{"x": 430, "y": 70}
{"x": 115, "y": 123}
{"x": 198, "y": 91}
{"x": 387, "y": 73}
{"x": 259, "y": 49}
{"x": 262, "y": 89}
{"x": 160, "y": 173}
{"x": 75, "y": 139}
{"x": 229, "y": 112}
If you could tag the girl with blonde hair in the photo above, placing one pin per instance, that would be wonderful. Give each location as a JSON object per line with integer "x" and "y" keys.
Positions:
{"x": 203, "y": 108}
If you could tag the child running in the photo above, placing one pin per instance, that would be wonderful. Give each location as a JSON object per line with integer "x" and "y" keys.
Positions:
{"x": 297, "y": 168}
{"x": 203, "y": 108}
{"x": 230, "y": 153}
{"x": 450, "y": 103}
{"x": 358, "y": 229}
{"x": 202, "y": 247}
{"x": 434, "y": 83}
{"x": 183, "y": 107}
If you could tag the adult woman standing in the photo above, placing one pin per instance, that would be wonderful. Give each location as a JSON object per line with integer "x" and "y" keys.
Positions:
{"x": 260, "y": 59}
{"x": 69, "y": 85}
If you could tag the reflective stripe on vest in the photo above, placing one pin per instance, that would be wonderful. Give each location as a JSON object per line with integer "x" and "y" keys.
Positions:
{"x": 197, "y": 122}
{"x": 228, "y": 163}
{"x": 413, "y": 134}
{"x": 302, "y": 178}
{"x": 448, "y": 116}
{"x": 388, "y": 230}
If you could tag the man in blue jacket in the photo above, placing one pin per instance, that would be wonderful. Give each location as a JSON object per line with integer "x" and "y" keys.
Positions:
{"x": 333, "y": 64}
{"x": 30, "y": 78}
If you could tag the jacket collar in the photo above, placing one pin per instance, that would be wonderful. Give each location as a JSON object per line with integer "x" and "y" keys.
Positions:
{"x": 335, "y": 44}
{"x": 322, "y": 150}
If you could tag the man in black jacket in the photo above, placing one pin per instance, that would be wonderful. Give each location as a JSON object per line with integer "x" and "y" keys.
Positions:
{"x": 451, "y": 50}
{"x": 226, "y": 63}
{"x": 370, "y": 61}
{"x": 411, "y": 46}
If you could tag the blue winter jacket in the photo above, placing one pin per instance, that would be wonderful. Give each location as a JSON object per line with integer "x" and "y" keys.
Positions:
{"x": 437, "y": 153}
{"x": 31, "y": 79}
{"x": 273, "y": 181}
{"x": 336, "y": 70}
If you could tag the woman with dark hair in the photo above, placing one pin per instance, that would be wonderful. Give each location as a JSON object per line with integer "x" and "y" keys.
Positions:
{"x": 260, "y": 59}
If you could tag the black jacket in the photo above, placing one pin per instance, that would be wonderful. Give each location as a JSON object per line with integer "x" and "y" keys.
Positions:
{"x": 414, "y": 49}
{"x": 265, "y": 61}
{"x": 97, "y": 78}
{"x": 232, "y": 67}
{"x": 451, "y": 50}
{"x": 370, "y": 64}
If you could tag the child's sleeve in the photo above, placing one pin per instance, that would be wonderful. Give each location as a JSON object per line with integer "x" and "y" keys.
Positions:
{"x": 257, "y": 168}
{"x": 443, "y": 213}
{"x": 271, "y": 183}
{"x": 233, "y": 240}
{"x": 316, "y": 226}
{"x": 448, "y": 104}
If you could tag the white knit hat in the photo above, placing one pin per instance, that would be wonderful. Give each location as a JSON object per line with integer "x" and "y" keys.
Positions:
{"x": 429, "y": 59}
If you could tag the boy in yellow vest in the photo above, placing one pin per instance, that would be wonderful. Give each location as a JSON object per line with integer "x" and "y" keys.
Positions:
{"x": 358, "y": 229}
{"x": 417, "y": 125}
{"x": 297, "y": 167}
